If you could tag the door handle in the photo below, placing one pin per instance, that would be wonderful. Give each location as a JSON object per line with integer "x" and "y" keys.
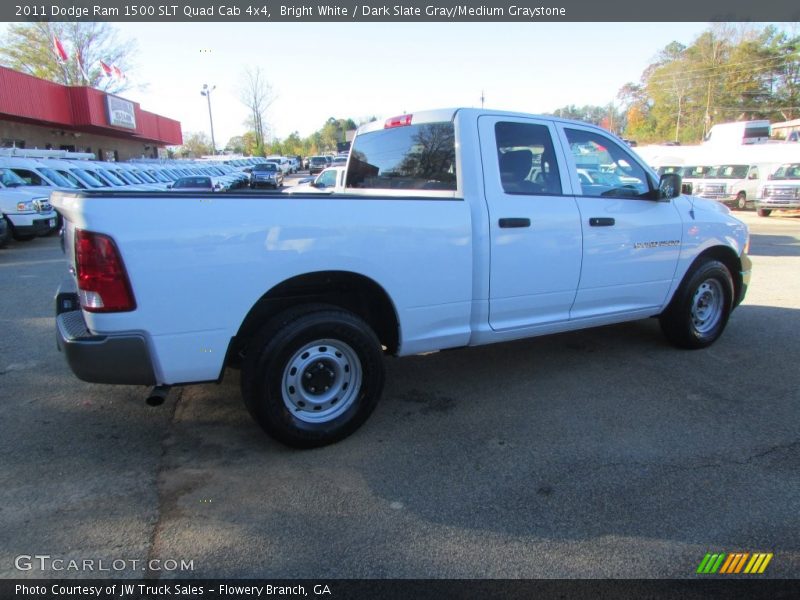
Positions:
{"x": 602, "y": 222}
{"x": 510, "y": 222}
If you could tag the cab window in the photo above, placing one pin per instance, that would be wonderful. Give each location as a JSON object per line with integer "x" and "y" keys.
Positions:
{"x": 526, "y": 159}
{"x": 604, "y": 168}
{"x": 411, "y": 157}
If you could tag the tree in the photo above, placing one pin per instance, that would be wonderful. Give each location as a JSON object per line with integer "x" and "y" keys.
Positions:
{"x": 28, "y": 47}
{"x": 195, "y": 145}
{"x": 257, "y": 95}
{"x": 729, "y": 72}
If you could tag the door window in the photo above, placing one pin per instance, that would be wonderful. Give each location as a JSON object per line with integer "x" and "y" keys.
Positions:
{"x": 526, "y": 159}
{"x": 604, "y": 168}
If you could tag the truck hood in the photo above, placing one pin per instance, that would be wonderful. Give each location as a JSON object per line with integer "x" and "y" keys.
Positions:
{"x": 705, "y": 204}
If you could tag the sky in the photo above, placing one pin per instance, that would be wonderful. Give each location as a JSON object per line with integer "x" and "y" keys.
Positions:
{"x": 357, "y": 70}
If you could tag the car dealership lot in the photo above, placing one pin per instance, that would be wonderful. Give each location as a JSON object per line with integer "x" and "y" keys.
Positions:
{"x": 600, "y": 453}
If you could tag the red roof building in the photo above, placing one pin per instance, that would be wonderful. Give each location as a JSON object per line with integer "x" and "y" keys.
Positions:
{"x": 35, "y": 113}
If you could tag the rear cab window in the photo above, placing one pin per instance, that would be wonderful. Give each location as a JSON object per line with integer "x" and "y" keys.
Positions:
{"x": 405, "y": 156}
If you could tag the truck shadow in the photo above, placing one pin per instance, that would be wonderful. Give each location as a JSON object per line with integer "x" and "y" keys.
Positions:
{"x": 774, "y": 245}
{"x": 603, "y": 434}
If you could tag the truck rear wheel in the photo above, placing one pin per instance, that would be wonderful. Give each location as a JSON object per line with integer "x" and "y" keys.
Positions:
{"x": 312, "y": 375}
{"x": 699, "y": 311}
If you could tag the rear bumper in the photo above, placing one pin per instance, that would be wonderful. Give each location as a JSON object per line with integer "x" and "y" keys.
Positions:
{"x": 120, "y": 358}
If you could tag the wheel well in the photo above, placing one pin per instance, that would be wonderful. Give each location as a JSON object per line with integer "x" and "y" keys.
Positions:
{"x": 730, "y": 259}
{"x": 349, "y": 291}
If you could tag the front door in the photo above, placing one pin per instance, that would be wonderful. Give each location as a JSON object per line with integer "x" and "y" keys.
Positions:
{"x": 631, "y": 241}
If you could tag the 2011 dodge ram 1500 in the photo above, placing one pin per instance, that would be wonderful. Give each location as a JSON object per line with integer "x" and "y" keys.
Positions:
{"x": 457, "y": 227}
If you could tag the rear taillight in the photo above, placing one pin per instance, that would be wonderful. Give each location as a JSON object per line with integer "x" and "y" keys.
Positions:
{"x": 103, "y": 284}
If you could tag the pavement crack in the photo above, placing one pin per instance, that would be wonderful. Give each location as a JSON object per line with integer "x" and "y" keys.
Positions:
{"x": 155, "y": 534}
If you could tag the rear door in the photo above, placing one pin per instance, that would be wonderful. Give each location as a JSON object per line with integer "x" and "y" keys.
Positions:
{"x": 535, "y": 225}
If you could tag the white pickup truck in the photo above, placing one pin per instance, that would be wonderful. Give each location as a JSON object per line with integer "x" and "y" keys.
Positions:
{"x": 457, "y": 228}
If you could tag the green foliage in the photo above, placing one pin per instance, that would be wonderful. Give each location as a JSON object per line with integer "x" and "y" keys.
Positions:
{"x": 729, "y": 73}
{"x": 195, "y": 145}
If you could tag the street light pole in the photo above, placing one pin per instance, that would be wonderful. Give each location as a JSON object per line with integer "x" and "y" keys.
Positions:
{"x": 206, "y": 91}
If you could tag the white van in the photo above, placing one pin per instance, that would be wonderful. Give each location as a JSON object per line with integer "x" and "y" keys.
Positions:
{"x": 738, "y": 133}
{"x": 781, "y": 191}
{"x": 735, "y": 185}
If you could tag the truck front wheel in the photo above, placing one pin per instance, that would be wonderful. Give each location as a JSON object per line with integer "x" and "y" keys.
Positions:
{"x": 312, "y": 375}
{"x": 741, "y": 201}
{"x": 701, "y": 306}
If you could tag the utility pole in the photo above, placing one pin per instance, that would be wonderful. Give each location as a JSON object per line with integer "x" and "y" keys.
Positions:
{"x": 206, "y": 91}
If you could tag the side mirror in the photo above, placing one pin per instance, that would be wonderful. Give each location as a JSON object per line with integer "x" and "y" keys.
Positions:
{"x": 669, "y": 186}
{"x": 169, "y": 186}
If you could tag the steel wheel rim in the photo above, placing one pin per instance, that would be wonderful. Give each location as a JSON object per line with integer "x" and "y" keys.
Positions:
{"x": 707, "y": 306}
{"x": 321, "y": 381}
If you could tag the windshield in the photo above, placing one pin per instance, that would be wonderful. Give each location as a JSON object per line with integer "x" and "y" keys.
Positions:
{"x": 10, "y": 179}
{"x": 159, "y": 176}
{"x": 128, "y": 177}
{"x": 789, "y": 171}
{"x": 266, "y": 167}
{"x": 727, "y": 172}
{"x": 87, "y": 178}
{"x": 144, "y": 176}
{"x": 56, "y": 177}
{"x": 694, "y": 172}
{"x": 107, "y": 178}
{"x": 72, "y": 179}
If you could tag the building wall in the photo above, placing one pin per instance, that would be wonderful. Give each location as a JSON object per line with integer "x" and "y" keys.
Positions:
{"x": 104, "y": 147}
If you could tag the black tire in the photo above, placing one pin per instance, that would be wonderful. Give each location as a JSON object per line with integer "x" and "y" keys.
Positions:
{"x": 6, "y": 232}
{"x": 764, "y": 212}
{"x": 699, "y": 311}
{"x": 307, "y": 346}
{"x": 741, "y": 201}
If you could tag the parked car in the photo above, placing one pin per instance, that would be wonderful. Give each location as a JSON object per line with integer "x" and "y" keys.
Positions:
{"x": 27, "y": 214}
{"x": 282, "y": 162}
{"x": 735, "y": 185}
{"x": 266, "y": 174}
{"x": 196, "y": 183}
{"x": 781, "y": 191}
{"x": 329, "y": 181}
{"x": 316, "y": 164}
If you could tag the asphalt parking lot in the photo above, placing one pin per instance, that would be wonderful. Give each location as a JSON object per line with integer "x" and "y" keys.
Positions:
{"x": 601, "y": 453}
